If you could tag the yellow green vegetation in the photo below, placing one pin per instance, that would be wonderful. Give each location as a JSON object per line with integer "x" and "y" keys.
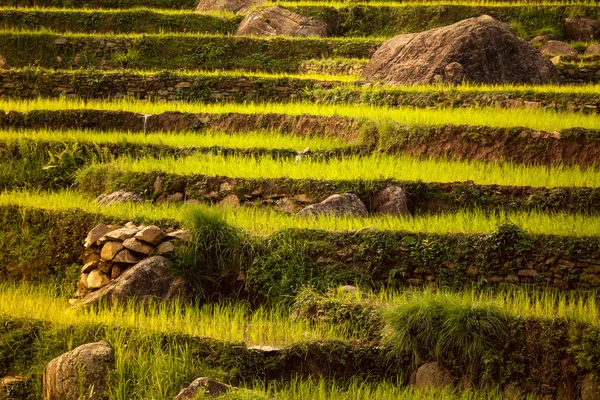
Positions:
{"x": 368, "y": 168}
{"x": 536, "y": 119}
{"x": 267, "y": 221}
{"x": 208, "y": 138}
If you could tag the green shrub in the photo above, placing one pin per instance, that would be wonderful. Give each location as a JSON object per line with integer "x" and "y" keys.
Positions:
{"x": 351, "y": 311}
{"x": 450, "y": 330}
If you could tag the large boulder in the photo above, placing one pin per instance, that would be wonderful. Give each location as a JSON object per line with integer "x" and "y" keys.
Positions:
{"x": 433, "y": 376}
{"x": 81, "y": 373}
{"x": 227, "y": 5}
{"x": 481, "y": 50}
{"x": 275, "y": 21}
{"x": 582, "y": 29}
{"x": 206, "y": 386}
{"x": 347, "y": 204}
{"x": 149, "y": 279}
{"x": 392, "y": 201}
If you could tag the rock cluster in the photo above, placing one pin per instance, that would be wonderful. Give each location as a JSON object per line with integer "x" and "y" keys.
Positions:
{"x": 112, "y": 250}
{"x": 479, "y": 50}
{"x": 391, "y": 201}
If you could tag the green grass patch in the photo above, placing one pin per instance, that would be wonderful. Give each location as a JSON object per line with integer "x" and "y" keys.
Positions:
{"x": 117, "y": 21}
{"x": 208, "y": 138}
{"x": 266, "y": 221}
{"x": 376, "y": 167}
{"x": 545, "y": 120}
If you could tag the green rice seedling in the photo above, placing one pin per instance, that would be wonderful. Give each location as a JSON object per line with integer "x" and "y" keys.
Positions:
{"x": 441, "y": 327}
{"x": 209, "y": 138}
{"x": 545, "y": 120}
{"x": 368, "y": 168}
{"x": 226, "y": 321}
{"x": 266, "y": 221}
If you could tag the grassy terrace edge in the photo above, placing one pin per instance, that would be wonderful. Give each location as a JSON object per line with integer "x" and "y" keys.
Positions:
{"x": 43, "y": 240}
{"x": 236, "y": 86}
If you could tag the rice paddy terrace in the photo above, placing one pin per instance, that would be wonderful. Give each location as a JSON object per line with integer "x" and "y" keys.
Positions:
{"x": 467, "y": 266}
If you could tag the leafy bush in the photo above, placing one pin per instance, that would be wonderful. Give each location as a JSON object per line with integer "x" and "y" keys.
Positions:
{"x": 352, "y": 311}
{"x": 450, "y": 330}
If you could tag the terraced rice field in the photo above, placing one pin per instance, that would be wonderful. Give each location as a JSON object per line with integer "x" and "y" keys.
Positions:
{"x": 489, "y": 273}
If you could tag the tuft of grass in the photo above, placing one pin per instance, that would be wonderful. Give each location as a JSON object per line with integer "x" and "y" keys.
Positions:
{"x": 449, "y": 330}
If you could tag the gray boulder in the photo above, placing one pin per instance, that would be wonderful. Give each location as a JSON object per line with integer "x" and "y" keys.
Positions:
{"x": 347, "y": 204}
{"x": 557, "y": 48}
{"x": 149, "y": 279}
{"x": 120, "y": 196}
{"x": 81, "y": 373}
{"x": 227, "y": 5}
{"x": 275, "y": 21}
{"x": 582, "y": 29}
{"x": 392, "y": 201}
{"x": 479, "y": 50}
{"x": 433, "y": 375}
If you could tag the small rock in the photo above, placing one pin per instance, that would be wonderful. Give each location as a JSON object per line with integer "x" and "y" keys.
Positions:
{"x": 126, "y": 257}
{"x": 348, "y": 289}
{"x": 89, "y": 267}
{"x": 347, "y": 204}
{"x": 110, "y": 250}
{"x": 182, "y": 234}
{"x": 593, "y": 50}
{"x": 151, "y": 234}
{"x": 9, "y": 384}
{"x": 175, "y": 198}
{"x": 97, "y": 279}
{"x": 119, "y": 196}
{"x": 158, "y": 186}
{"x": 231, "y": 200}
{"x": 227, "y": 5}
{"x": 81, "y": 373}
{"x": 302, "y": 198}
{"x": 61, "y": 41}
{"x": 558, "y": 48}
{"x": 433, "y": 375}
{"x": 139, "y": 247}
{"x": 131, "y": 225}
{"x": 105, "y": 267}
{"x": 226, "y": 187}
{"x": 115, "y": 272}
{"x": 538, "y": 39}
{"x": 95, "y": 234}
{"x": 82, "y": 283}
{"x": 121, "y": 234}
{"x": 165, "y": 248}
{"x": 555, "y": 60}
{"x": 392, "y": 201}
{"x": 3, "y": 63}
{"x": 582, "y": 29}
{"x": 527, "y": 272}
{"x": 207, "y": 386}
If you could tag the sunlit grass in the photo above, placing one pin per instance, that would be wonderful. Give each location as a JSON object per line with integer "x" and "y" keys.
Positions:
{"x": 264, "y": 221}
{"x": 401, "y": 167}
{"x": 208, "y": 138}
{"x": 232, "y": 322}
{"x": 536, "y": 119}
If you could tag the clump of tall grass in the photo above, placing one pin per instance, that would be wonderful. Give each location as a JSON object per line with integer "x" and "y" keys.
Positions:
{"x": 451, "y": 330}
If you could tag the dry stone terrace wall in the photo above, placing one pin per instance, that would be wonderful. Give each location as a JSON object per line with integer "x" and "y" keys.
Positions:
{"x": 291, "y": 195}
{"x": 157, "y": 87}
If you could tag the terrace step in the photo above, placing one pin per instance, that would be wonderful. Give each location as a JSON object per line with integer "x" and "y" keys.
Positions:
{"x": 368, "y": 257}
{"x": 236, "y": 87}
{"x": 174, "y": 51}
{"x": 338, "y": 361}
{"x": 117, "y": 21}
{"x": 463, "y": 142}
{"x": 292, "y": 195}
